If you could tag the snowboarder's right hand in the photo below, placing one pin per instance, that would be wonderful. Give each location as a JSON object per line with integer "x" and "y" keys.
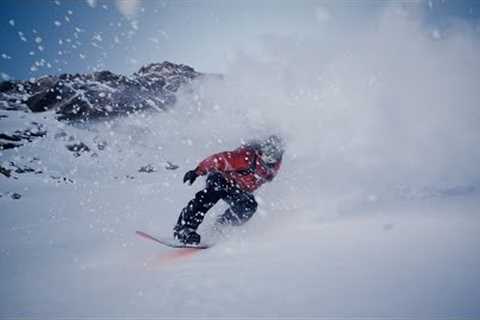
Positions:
{"x": 190, "y": 176}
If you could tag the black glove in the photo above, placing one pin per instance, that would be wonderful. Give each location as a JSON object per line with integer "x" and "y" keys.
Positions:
{"x": 190, "y": 176}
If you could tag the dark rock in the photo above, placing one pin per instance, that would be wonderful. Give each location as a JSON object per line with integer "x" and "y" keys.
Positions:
{"x": 7, "y": 86}
{"x": 75, "y": 108}
{"x": 10, "y": 137}
{"x": 106, "y": 76}
{"x": 20, "y": 170}
{"x": 33, "y": 132}
{"x": 15, "y": 196}
{"x": 167, "y": 68}
{"x": 149, "y": 168}
{"x": 78, "y": 148}
{"x": 9, "y": 145}
{"x": 58, "y": 96}
{"x": 101, "y": 145}
{"x": 24, "y": 170}
{"x": 171, "y": 166}
{"x": 43, "y": 101}
{"x": 15, "y": 140}
{"x": 100, "y": 94}
{"x": 60, "y": 179}
{"x": 6, "y": 172}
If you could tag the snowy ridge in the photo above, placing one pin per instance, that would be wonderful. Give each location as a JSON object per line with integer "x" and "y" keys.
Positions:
{"x": 99, "y": 94}
{"x": 35, "y": 109}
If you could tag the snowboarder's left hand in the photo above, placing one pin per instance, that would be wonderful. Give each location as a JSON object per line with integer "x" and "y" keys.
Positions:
{"x": 190, "y": 176}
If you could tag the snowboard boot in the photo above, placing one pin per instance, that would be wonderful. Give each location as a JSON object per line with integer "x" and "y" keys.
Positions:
{"x": 186, "y": 235}
{"x": 229, "y": 218}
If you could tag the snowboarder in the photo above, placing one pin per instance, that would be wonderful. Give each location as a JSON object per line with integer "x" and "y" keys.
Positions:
{"x": 232, "y": 176}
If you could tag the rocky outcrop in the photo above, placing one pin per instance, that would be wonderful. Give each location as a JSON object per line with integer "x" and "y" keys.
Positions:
{"x": 19, "y": 137}
{"x": 99, "y": 94}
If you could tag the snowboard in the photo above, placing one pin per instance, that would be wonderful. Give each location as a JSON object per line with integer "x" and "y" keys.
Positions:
{"x": 172, "y": 243}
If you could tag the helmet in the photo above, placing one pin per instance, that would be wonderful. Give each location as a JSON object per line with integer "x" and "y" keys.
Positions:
{"x": 271, "y": 149}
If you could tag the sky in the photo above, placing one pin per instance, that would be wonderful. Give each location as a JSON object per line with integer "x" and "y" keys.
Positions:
{"x": 59, "y": 36}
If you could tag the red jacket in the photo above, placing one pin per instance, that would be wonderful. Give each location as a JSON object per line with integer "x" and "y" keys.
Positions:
{"x": 242, "y": 166}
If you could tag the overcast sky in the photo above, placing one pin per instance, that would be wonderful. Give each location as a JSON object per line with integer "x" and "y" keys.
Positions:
{"x": 45, "y": 37}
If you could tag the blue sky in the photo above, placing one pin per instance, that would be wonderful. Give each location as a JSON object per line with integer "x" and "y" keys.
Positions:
{"x": 58, "y": 36}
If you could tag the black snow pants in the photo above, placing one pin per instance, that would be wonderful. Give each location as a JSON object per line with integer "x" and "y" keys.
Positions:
{"x": 242, "y": 204}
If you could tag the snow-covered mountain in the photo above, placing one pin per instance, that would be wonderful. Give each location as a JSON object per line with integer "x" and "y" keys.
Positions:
{"x": 81, "y": 98}
{"x": 99, "y": 94}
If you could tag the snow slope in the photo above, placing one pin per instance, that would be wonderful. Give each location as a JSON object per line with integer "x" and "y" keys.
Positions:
{"x": 374, "y": 214}
{"x": 69, "y": 249}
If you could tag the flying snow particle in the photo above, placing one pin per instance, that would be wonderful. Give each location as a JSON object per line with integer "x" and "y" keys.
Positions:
{"x": 436, "y": 34}
{"x": 5, "y": 76}
{"x": 97, "y": 37}
{"x": 128, "y": 8}
{"x": 92, "y": 3}
{"x": 82, "y": 56}
{"x": 38, "y": 40}
{"x": 57, "y": 23}
{"x": 134, "y": 24}
{"x": 22, "y": 36}
{"x": 164, "y": 34}
{"x": 57, "y": 2}
{"x": 6, "y": 56}
{"x": 11, "y": 22}
{"x": 322, "y": 14}
{"x": 70, "y": 12}
{"x": 40, "y": 48}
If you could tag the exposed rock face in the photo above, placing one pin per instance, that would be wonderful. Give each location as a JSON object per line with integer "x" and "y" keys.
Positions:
{"x": 76, "y": 98}
{"x": 149, "y": 168}
{"x": 99, "y": 94}
{"x": 78, "y": 148}
{"x": 19, "y": 137}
